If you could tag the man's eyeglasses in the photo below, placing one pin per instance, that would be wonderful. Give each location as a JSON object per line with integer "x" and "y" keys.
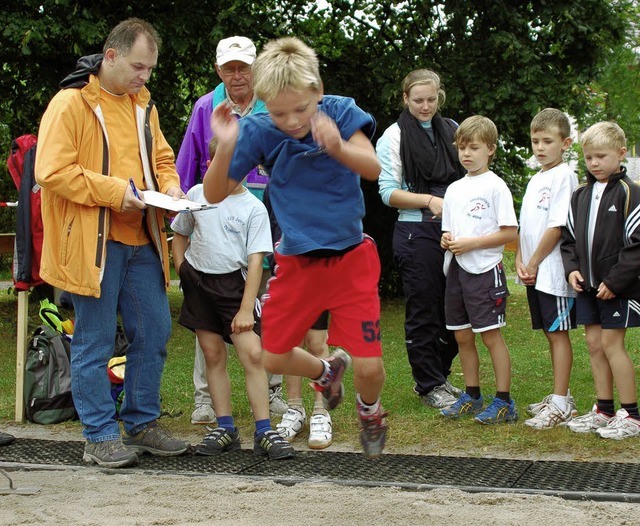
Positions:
{"x": 243, "y": 70}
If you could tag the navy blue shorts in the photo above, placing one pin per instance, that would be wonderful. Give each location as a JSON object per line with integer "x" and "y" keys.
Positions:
{"x": 551, "y": 313}
{"x": 211, "y": 301}
{"x": 618, "y": 313}
{"x": 476, "y": 301}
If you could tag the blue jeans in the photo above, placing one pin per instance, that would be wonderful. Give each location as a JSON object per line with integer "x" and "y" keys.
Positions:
{"x": 133, "y": 284}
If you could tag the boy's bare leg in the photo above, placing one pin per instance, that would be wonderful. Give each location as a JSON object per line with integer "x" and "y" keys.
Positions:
{"x": 600, "y": 368}
{"x": 249, "y": 351}
{"x": 469, "y": 360}
{"x": 215, "y": 355}
{"x": 368, "y": 378}
{"x": 500, "y": 358}
{"x": 561, "y": 360}
{"x": 296, "y": 362}
{"x": 620, "y": 363}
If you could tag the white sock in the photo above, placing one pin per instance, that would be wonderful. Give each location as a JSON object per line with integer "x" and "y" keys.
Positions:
{"x": 367, "y": 409}
{"x": 560, "y": 401}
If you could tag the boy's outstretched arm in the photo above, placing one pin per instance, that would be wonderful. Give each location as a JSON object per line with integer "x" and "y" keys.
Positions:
{"x": 357, "y": 153}
{"x": 216, "y": 183}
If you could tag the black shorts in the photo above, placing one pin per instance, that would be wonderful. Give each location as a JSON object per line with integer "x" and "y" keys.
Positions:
{"x": 211, "y": 301}
{"x": 551, "y": 313}
{"x": 322, "y": 323}
{"x": 476, "y": 301}
{"x": 618, "y": 313}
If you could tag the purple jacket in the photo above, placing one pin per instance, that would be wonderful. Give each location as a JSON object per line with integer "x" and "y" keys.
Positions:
{"x": 191, "y": 162}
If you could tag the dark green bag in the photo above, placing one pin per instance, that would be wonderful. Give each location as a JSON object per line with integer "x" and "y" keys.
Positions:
{"x": 47, "y": 378}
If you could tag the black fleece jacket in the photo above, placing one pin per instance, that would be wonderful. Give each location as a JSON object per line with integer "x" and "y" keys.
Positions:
{"x": 614, "y": 255}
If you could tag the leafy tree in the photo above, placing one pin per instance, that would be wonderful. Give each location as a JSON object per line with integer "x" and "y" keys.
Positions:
{"x": 504, "y": 59}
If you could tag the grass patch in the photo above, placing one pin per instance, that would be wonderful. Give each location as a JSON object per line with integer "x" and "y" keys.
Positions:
{"x": 413, "y": 428}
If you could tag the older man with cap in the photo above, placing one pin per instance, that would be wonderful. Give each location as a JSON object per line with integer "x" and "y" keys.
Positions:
{"x": 234, "y": 57}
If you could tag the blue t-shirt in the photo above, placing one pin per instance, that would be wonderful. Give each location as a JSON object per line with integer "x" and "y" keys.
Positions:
{"x": 317, "y": 200}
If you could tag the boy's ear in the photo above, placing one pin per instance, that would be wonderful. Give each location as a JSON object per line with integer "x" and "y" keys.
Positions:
{"x": 492, "y": 149}
{"x": 208, "y": 163}
{"x": 566, "y": 143}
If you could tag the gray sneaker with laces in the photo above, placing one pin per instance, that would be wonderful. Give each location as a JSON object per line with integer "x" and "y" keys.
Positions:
{"x": 109, "y": 454}
{"x": 277, "y": 404}
{"x": 439, "y": 397}
{"x": 155, "y": 440}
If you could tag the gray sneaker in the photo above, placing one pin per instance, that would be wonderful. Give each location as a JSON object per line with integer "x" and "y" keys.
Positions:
{"x": 439, "y": 397}
{"x": 277, "y": 405}
{"x": 109, "y": 454}
{"x": 453, "y": 389}
{"x": 155, "y": 440}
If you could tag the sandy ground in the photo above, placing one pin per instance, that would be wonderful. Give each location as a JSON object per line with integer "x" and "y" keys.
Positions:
{"x": 91, "y": 496}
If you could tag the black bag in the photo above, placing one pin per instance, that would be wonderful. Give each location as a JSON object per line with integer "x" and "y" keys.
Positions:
{"x": 47, "y": 379}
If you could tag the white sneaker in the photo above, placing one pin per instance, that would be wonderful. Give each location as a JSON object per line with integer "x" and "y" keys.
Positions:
{"x": 534, "y": 409}
{"x": 277, "y": 405}
{"x": 292, "y": 423}
{"x": 550, "y": 416}
{"x": 590, "y": 422}
{"x": 320, "y": 431}
{"x": 203, "y": 414}
{"x": 620, "y": 426}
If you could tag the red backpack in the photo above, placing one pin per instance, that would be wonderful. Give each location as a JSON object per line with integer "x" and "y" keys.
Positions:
{"x": 29, "y": 229}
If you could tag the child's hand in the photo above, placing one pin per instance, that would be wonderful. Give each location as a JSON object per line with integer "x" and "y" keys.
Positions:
{"x": 435, "y": 205}
{"x": 576, "y": 281}
{"x": 224, "y": 124}
{"x": 462, "y": 245}
{"x": 523, "y": 274}
{"x": 243, "y": 321}
{"x": 326, "y": 133}
{"x": 445, "y": 239}
{"x": 605, "y": 293}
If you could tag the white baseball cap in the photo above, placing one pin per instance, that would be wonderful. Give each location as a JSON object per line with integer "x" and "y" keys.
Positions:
{"x": 235, "y": 48}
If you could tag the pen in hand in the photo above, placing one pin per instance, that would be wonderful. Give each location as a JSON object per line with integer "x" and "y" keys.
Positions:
{"x": 133, "y": 187}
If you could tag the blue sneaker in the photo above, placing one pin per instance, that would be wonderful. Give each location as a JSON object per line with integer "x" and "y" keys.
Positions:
{"x": 497, "y": 412}
{"x": 465, "y": 405}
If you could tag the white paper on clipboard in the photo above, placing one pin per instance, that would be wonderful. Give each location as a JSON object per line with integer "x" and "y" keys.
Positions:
{"x": 153, "y": 198}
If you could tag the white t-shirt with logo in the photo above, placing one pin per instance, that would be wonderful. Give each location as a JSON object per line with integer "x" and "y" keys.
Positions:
{"x": 477, "y": 206}
{"x": 546, "y": 205}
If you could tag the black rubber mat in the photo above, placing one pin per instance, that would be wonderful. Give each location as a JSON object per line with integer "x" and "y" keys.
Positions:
{"x": 574, "y": 480}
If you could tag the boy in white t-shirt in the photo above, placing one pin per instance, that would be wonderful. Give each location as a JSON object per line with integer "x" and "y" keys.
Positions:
{"x": 218, "y": 255}
{"x": 478, "y": 219}
{"x": 544, "y": 211}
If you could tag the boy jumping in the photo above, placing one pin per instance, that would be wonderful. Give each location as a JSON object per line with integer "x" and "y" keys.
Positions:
{"x": 316, "y": 148}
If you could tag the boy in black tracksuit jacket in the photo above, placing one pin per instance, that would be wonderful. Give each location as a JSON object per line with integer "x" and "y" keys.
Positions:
{"x": 601, "y": 257}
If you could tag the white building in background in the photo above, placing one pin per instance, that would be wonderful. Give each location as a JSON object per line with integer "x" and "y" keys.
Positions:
{"x": 633, "y": 164}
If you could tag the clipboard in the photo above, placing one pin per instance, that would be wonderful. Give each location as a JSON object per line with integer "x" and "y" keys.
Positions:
{"x": 160, "y": 200}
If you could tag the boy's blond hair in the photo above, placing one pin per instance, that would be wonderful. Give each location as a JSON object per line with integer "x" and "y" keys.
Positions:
{"x": 605, "y": 133}
{"x": 550, "y": 118}
{"x": 419, "y": 77}
{"x": 285, "y": 64}
{"x": 477, "y": 128}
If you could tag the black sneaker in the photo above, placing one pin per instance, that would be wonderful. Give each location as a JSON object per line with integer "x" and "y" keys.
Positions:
{"x": 109, "y": 454}
{"x": 155, "y": 440}
{"x": 331, "y": 387}
{"x": 6, "y": 439}
{"x": 218, "y": 441}
{"x": 373, "y": 432}
{"x": 271, "y": 444}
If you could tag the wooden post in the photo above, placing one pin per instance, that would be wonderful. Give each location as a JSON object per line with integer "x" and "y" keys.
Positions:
{"x": 21, "y": 351}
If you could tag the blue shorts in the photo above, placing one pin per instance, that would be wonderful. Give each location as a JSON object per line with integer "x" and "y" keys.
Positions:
{"x": 476, "y": 301}
{"x": 618, "y": 313}
{"x": 551, "y": 313}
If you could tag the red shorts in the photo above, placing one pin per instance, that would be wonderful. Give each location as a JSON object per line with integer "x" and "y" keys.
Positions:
{"x": 305, "y": 286}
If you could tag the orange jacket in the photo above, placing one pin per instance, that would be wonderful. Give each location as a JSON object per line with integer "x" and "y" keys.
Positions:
{"x": 72, "y": 167}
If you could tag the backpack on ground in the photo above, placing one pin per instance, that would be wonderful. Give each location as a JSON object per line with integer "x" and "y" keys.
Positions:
{"x": 47, "y": 378}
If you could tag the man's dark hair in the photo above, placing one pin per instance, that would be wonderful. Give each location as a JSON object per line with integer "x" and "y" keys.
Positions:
{"x": 123, "y": 36}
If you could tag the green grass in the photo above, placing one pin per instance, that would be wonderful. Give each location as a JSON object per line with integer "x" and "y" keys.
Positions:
{"x": 413, "y": 428}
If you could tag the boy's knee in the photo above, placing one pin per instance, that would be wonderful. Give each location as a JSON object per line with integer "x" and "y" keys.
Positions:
{"x": 369, "y": 369}
{"x": 273, "y": 363}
